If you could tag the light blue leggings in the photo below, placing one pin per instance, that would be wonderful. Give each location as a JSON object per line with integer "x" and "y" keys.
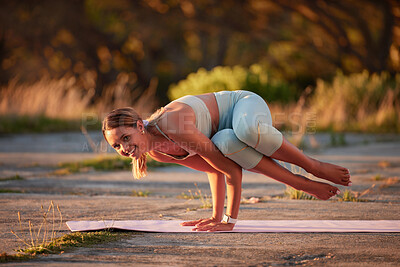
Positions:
{"x": 252, "y": 134}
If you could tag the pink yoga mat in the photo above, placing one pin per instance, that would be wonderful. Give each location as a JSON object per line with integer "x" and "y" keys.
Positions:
{"x": 252, "y": 226}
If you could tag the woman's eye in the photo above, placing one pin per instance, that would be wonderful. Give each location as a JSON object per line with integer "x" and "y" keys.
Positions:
{"x": 126, "y": 138}
{"x": 116, "y": 146}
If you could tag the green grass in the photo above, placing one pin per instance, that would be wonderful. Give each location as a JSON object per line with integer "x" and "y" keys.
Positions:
{"x": 378, "y": 177}
{"x": 11, "y": 178}
{"x": 104, "y": 163}
{"x": 74, "y": 240}
{"x": 40, "y": 124}
{"x": 65, "y": 243}
{"x": 140, "y": 193}
{"x": 42, "y": 238}
{"x": 292, "y": 193}
{"x": 349, "y": 196}
{"x": 206, "y": 201}
{"x": 3, "y": 191}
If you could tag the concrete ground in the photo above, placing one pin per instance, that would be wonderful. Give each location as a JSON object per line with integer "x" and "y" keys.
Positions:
{"x": 374, "y": 162}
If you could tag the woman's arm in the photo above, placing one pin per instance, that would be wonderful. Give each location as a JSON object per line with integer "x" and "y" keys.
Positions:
{"x": 216, "y": 180}
{"x": 191, "y": 139}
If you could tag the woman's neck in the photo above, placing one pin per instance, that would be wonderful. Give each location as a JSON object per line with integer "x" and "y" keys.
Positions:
{"x": 157, "y": 141}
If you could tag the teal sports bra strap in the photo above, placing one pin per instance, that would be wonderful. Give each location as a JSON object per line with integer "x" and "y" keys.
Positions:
{"x": 166, "y": 136}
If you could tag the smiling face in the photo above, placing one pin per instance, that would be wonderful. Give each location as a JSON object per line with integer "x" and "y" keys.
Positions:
{"x": 127, "y": 141}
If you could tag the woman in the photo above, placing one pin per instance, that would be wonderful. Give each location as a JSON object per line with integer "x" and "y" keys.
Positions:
{"x": 221, "y": 134}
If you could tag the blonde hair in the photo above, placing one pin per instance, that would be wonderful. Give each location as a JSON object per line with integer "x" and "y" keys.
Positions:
{"x": 128, "y": 117}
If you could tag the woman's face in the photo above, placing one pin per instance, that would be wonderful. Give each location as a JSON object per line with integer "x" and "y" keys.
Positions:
{"x": 127, "y": 141}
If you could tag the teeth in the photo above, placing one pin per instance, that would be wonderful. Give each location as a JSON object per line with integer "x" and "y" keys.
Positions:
{"x": 133, "y": 150}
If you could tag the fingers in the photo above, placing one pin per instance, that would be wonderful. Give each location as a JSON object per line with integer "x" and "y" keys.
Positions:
{"x": 198, "y": 222}
{"x": 203, "y": 222}
{"x": 191, "y": 223}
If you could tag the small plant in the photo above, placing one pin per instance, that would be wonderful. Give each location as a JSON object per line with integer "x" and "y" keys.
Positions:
{"x": 42, "y": 239}
{"x": 42, "y": 236}
{"x": 140, "y": 193}
{"x": 292, "y": 193}
{"x": 183, "y": 195}
{"x": 65, "y": 242}
{"x": 378, "y": 177}
{"x": 205, "y": 200}
{"x": 348, "y": 196}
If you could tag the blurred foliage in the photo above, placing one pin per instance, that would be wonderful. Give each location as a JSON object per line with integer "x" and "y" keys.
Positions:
{"x": 255, "y": 79}
{"x": 358, "y": 102}
{"x": 97, "y": 40}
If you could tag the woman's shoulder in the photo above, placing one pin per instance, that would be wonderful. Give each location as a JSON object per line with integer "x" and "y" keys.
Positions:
{"x": 176, "y": 118}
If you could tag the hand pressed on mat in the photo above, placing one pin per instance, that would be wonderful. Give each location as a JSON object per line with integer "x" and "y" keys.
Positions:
{"x": 209, "y": 224}
{"x": 214, "y": 227}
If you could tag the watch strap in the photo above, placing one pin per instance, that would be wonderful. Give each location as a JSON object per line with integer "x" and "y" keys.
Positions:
{"x": 228, "y": 219}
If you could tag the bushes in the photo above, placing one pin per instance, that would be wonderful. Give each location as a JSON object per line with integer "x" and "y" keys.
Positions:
{"x": 256, "y": 79}
{"x": 358, "y": 102}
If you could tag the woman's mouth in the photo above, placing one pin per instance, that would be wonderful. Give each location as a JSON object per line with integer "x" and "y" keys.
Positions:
{"x": 130, "y": 153}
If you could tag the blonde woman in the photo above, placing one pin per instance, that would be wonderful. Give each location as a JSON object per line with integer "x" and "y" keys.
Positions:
{"x": 220, "y": 134}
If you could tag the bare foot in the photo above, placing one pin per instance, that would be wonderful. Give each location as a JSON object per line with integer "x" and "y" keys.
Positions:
{"x": 331, "y": 172}
{"x": 320, "y": 190}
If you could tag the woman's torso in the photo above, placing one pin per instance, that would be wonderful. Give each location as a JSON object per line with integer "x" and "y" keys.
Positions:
{"x": 210, "y": 100}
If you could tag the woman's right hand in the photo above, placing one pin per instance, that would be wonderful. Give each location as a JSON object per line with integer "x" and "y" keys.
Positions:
{"x": 200, "y": 222}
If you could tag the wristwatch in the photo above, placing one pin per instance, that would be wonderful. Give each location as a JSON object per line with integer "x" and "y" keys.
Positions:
{"x": 228, "y": 219}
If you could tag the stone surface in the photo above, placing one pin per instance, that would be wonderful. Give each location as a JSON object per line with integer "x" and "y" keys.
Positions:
{"x": 375, "y": 166}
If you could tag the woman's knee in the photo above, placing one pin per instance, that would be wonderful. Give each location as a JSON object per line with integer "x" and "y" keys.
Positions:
{"x": 226, "y": 141}
{"x": 232, "y": 148}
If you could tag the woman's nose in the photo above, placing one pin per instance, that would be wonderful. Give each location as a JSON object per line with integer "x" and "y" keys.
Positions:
{"x": 123, "y": 148}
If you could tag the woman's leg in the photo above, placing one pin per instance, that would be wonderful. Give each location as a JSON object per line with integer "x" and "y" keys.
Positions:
{"x": 252, "y": 124}
{"x": 270, "y": 168}
{"x": 252, "y": 160}
{"x": 334, "y": 173}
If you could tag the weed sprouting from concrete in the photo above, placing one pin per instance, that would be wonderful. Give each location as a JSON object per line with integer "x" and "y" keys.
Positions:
{"x": 42, "y": 239}
{"x": 140, "y": 193}
{"x": 204, "y": 198}
{"x": 292, "y": 193}
{"x": 44, "y": 234}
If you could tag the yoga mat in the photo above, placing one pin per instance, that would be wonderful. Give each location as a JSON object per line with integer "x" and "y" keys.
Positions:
{"x": 242, "y": 226}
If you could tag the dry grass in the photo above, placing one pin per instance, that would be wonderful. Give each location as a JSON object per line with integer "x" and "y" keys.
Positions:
{"x": 69, "y": 99}
{"x": 40, "y": 236}
{"x": 358, "y": 102}
{"x": 206, "y": 200}
{"x": 52, "y": 98}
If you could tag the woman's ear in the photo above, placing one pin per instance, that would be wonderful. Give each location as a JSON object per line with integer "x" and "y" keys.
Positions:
{"x": 140, "y": 126}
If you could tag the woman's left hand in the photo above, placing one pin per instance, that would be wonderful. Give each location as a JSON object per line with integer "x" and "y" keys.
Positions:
{"x": 214, "y": 227}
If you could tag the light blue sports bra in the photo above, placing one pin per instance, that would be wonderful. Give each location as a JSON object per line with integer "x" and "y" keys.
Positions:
{"x": 173, "y": 156}
{"x": 203, "y": 121}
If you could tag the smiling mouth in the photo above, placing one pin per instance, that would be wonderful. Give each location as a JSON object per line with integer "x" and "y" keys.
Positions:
{"x": 130, "y": 153}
